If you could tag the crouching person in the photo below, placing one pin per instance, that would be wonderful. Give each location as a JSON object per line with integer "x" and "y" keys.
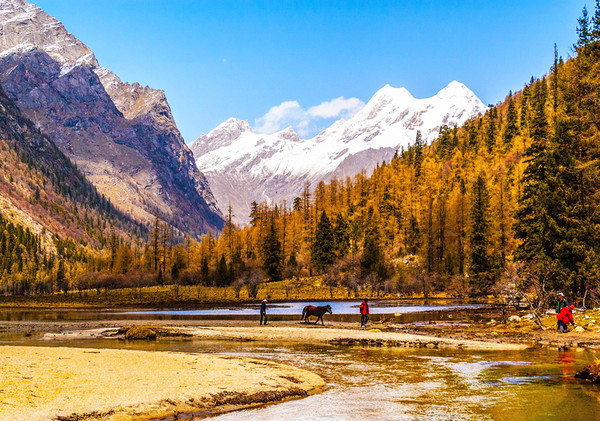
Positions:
{"x": 565, "y": 316}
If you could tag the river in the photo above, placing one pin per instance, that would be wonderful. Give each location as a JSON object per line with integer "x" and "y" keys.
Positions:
{"x": 381, "y": 383}
{"x": 345, "y": 311}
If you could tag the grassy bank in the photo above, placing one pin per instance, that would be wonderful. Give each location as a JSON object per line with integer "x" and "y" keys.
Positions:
{"x": 296, "y": 289}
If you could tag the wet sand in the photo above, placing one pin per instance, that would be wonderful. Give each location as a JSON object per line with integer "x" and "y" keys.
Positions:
{"x": 339, "y": 333}
{"x": 462, "y": 334}
{"x": 41, "y": 383}
{"x": 321, "y": 334}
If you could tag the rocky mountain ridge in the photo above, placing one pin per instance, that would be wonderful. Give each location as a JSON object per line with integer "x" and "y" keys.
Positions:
{"x": 122, "y": 136}
{"x": 41, "y": 189}
{"x": 242, "y": 166}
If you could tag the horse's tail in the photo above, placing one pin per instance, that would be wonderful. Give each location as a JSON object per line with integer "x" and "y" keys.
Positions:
{"x": 303, "y": 313}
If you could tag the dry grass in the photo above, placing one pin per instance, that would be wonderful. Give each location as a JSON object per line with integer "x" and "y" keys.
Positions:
{"x": 296, "y": 289}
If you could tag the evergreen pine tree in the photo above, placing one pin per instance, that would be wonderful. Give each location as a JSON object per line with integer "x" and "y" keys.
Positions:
{"x": 418, "y": 157}
{"x": 254, "y": 214}
{"x": 511, "y": 124}
{"x": 541, "y": 209}
{"x": 492, "y": 114}
{"x": 525, "y": 109}
{"x": 204, "y": 270}
{"x": 342, "y": 235}
{"x": 221, "y": 272}
{"x": 272, "y": 256}
{"x": 595, "y": 31}
{"x": 322, "y": 252}
{"x": 481, "y": 264}
{"x": 583, "y": 30}
{"x": 555, "y": 79}
{"x": 539, "y": 123}
{"x": 372, "y": 260}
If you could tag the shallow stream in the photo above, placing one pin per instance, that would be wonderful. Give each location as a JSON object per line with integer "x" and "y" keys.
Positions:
{"x": 381, "y": 383}
{"x": 371, "y": 383}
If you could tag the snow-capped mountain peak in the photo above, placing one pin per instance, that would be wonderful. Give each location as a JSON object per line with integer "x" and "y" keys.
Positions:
{"x": 289, "y": 133}
{"x": 233, "y": 126}
{"x": 243, "y": 166}
{"x": 26, "y": 24}
{"x": 455, "y": 90}
{"x": 223, "y": 135}
{"x": 389, "y": 91}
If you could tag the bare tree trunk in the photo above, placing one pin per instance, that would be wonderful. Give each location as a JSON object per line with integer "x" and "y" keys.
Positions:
{"x": 533, "y": 310}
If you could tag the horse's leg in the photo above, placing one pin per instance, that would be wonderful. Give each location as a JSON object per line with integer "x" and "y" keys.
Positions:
{"x": 322, "y": 321}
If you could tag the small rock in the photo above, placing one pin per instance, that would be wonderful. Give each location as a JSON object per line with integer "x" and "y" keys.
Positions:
{"x": 590, "y": 372}
{"x": 141, "y": 333}
{"x": 514, "y": 318}
{"x": 551, "y": 311}
{"x": 528, "y": 316}
{"x": 579, "y": 329}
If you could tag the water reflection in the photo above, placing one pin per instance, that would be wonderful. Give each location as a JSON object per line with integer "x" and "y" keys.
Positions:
{"x": 346, "y": 311}
{"x": 409, "y": 384}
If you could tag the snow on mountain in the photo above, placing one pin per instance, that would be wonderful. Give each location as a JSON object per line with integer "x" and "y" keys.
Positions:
{"x": 242, "y": 166}
{"x": 26, "y": 26}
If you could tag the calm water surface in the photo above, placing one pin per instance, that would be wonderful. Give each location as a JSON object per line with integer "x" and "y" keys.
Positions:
{"x": 342, "y": 311}
{"x": 370, "y": 383}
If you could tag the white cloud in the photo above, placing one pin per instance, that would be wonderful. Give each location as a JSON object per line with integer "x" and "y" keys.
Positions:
{"x": 339, "y": 107}
{"x": 288, "y": 113}
{"x": 306, "y": 122}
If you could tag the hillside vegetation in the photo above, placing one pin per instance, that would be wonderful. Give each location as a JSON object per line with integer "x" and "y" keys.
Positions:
{"x": 52, "y": 220}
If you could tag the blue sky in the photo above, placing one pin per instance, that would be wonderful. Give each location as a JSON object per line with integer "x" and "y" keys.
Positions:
{"x": 220, "y": 59}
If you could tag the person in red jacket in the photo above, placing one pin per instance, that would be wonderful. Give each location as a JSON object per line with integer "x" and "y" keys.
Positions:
{"x": 565, "y": 316}
{"x": 364, "y": 313}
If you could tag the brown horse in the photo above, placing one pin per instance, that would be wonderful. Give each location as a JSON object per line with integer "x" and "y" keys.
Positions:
{"x": 315, "y": 311}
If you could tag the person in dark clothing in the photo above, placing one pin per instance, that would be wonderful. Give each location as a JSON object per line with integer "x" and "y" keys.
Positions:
{"x": 263, "y": 312}
{"x": 565, "y": 317}
{"x": 561, "y": 303}
{"x": 364, "y": 313}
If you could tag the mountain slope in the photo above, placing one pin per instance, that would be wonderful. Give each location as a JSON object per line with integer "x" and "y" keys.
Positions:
{"x": 122, "y": 136}
{"x": 243, "y": 166}
{"x": 41, "y": 189}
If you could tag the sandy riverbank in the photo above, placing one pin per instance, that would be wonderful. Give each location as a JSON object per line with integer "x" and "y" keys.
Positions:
{"x": 459, "y": 333}
{"x": 317, "y": 334}
{"x": 40, "y": 383}
{"x": 299, "y": 333}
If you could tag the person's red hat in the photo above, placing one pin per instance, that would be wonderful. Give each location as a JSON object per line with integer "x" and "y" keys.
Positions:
{"x": 571, "y": 306}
